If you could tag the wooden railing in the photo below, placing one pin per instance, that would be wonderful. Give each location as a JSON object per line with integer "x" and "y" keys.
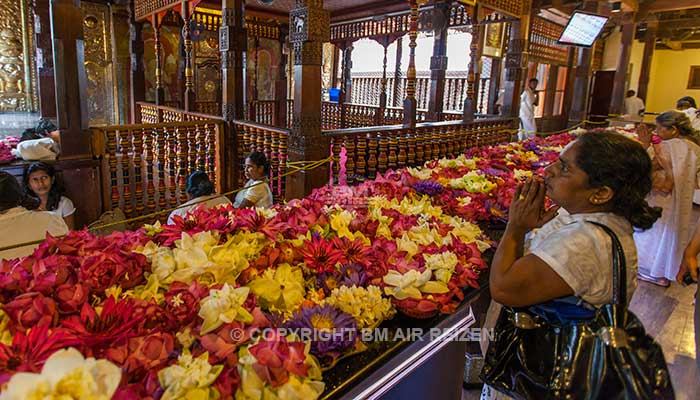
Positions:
{"x": 153, "y": 114}
{"x": 269, "y": 140}
{"x": 372, "y": 150}
{"x": 145, "y": 167}
{"x": 262, "y": 111}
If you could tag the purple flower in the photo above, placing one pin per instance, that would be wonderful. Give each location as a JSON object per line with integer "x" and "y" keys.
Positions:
{"x": 431, "y": 188}
{"x": 492, "y": 172}
{"x": 353, "y": 274}
{"x": 328, "y": 280}
{"x": 330, "y": 330}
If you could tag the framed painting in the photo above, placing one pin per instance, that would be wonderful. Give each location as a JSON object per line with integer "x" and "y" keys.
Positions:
{"x": 493, "y": 40}
{"x": 694, "y": 78}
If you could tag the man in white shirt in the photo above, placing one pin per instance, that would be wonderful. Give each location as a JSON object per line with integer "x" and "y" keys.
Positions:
{"x": 20, "y": 226}
{"x": 529, "y": 99}
{"x": 633, "y": 107}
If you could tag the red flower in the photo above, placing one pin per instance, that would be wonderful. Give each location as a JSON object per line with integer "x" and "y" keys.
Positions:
{"x": 32, "y": 309}
{"x": 71, "y": 297}
{"x": 227, "y": 382}
{"x": 277, "y": 358}
{"x": 222, "y": 343}
{"x": 144, "y": 353}
{"x": 110, "y": 267}
{"x": 28, "y": 352}
{"x": 182, "y": 301}
{"x": 354, "y": 252}
{"x": 249, "y": 219}
{"x": 320, "y": 255}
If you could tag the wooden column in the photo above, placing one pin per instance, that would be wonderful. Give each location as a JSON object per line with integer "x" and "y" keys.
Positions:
{"x": 281, "y": 84}
{"x": 579, "y": 105}
{"x": 470, "y": 103}
{"x": 495, "y": 85}
{"x": 649, "y": 44}
{"x": 620, "y": 83}
{"x": 516, "y": 64}
{"x": 158, "y": 52}
{"x": 233, "y": 46}
{"x": 309, "y": 28}
{"x": 410, "y": 104}
{"x": 551, "y": 90}
{"x": 397, "y": 73}
{"x": 137, "y": 81}
{"x": 335, "y": 81}
{"x": 438, "y": 62}
{"x": 346, "y": 80}
{"x": 383, "y": 93}
{"x": 70, "y": 77}
{"x": 44, "y": 50}
{"x": 189, "y": 62}
{"x": 569, "y": 87}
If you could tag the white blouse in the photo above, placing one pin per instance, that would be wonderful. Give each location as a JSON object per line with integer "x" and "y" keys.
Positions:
{"x": 256, "y": 192}
{"x": 210, "y": 201}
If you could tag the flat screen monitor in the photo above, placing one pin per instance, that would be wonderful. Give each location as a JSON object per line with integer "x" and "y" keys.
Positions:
{"x": 582, "y": 29}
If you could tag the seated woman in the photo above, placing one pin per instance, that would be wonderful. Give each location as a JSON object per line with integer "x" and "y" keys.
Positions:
{"x": 200, "y": 190}
{"x": 601, "y": 177}
{"x": 40, "y": 183}
{"x": 256, "y": 192}
{"x": 20, "y": 226}
{"x": 687, "y": 105}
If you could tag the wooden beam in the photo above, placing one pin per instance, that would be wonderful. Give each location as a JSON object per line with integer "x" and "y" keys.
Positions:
{"x": 654, "y": 6}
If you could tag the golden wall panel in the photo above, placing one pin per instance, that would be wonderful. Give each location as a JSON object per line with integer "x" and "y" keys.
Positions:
{"x": 17, "y": 73}
{"x": 98, "y": 63}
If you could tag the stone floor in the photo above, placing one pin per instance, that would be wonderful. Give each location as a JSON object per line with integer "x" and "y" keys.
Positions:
{"x": 667, "y": 315}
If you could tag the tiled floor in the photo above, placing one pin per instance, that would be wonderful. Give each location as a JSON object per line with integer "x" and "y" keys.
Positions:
{"x": 667, "y": 315}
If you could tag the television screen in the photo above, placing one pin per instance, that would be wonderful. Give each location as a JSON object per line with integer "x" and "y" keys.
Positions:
{"x": 582, "y": 29}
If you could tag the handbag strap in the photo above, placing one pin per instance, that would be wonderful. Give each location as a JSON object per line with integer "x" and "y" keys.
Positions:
{"x": 619, "y": 267}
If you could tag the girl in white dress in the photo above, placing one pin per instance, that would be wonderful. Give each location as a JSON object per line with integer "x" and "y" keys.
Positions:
{"x": 256, "y": 192}
{"x": 41, "y": 185}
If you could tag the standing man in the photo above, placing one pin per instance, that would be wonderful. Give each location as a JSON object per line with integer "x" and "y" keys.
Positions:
{"x": 633, "y": 107}
{"x": 528, "y": 101}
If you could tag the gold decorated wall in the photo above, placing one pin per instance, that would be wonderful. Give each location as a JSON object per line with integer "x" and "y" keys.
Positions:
{"x": 17, "y": 73}
{"x": 98, "y": 63}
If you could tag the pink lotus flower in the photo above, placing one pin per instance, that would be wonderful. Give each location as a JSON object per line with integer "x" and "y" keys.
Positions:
{"x": 71, "y": 297}
{"x": 277, "y": 358}
{"x": 182, "y": 301}
{"x": 227, "y": 383}
{"x": 32, "y": 309}
{"x": 144, "y": 353}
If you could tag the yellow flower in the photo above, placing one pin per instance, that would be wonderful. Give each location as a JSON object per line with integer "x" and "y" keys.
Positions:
{"x": 466, "y": 232}
{"x": 224, "y": 306}
{"x": 152, "y": 230}
{"x": 185, "y": 338}
{"x": 521, "y": 175}
{"x": 472, "y": 182}
{"x": 281, "y": 289}
{"x": 5, "y": 334}
{"x": 420, "y": 173}
{"x": 66, "y": 375}
{"x": 340, "y": 222}
{"x": 442, "y": 264}
{"x": 366, "y": 305}
{"x": 423, "y": 234}
{"x": 148, "y": 291}
{"x": 404, "y": 243}
{"x": 412, "y": 284}
{"x": 190, "y": 378}
{"x": 461, "y": 161}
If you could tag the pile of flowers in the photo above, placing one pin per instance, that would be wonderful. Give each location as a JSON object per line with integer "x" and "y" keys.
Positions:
{"x": 8, "y": 143}
{"x": 248, "y": 303}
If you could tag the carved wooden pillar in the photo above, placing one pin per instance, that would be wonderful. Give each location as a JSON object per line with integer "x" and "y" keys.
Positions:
{"x": 158, "y": 52}
{"x": 551, "y": 90}
{"x": 470, "y": 103}
{"x": 569, "y": 86}
{"x": 494, "y": 85}
{"x": 70, "y": 77}
{"x": 438, "y": 62}
{"x": 137, "y": 83}
{"x": 516, "y": 63}
{"x": 281, "y": 84}
{"x": 233, "y": 46}
{"x": 189, "y": 62}
{"x": 397, "y": 73}
{"x": 383, "y": 94}
{"x": 579, "y": 104}
{"x": 410, "y": 104}
{"x": 649, "y": 43}
{"x": 44, "y": 50}
{"x": 309, "y": 28}
{"x": 254, "y": 86}
{"x": 620, "y": 83}
{"x": 346, "y": 88}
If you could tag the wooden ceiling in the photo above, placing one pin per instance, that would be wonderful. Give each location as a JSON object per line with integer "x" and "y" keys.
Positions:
{"x": 341, "y": 10}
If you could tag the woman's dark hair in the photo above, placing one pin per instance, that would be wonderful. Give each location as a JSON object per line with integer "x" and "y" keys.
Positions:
{"x": 678, "y": 120}
{"x": 198, "y": 184}
{"x": 56, "y": 188}
{"x": 610, "y": 159}
{"x": 260, "y": 160}
{"x": 10, "y": 192}
{"x": 686, "y": 101}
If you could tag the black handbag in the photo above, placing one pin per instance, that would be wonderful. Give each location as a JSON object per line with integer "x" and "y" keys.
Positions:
{"x": 607, "y": 357}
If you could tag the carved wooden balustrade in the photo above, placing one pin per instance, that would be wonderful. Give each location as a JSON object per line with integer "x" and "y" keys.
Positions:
{"x": 372, "y": 150}
{"x": 262, "y": 111}
{"x": 153, "y": 114}
{"x": 145, "y": 167}
{"x": 272, "y": 141}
